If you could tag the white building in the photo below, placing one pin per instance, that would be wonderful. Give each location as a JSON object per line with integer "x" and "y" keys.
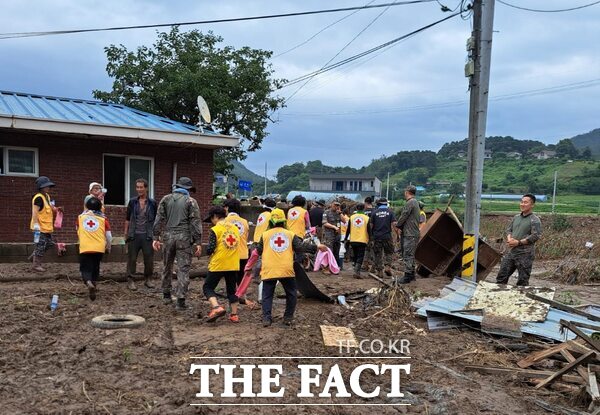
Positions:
{"x": 363, "y": 183}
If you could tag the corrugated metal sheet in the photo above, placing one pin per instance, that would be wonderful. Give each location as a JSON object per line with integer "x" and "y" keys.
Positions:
{"x": 85, "y": 111}
{"x": 442, "y": 313}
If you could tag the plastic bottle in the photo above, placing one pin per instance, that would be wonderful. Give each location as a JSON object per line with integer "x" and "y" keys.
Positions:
{"x": 36, "y": 233}
{"x": 54, "y": 302}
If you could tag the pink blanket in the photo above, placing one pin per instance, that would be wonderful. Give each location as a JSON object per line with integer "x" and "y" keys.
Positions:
{"x": 243, "y": 287}
{"x": 326, "y": 258}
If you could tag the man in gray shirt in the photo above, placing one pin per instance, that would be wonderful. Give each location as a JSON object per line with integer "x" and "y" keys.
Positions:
{"x": 522, "y": 234}
{"x": 408, "y": 223}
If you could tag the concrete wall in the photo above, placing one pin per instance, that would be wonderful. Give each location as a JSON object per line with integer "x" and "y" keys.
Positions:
{"x": 72, "y": 162}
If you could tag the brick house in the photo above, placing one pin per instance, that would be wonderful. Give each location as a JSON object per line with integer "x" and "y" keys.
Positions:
{"x": 76, "y": 142}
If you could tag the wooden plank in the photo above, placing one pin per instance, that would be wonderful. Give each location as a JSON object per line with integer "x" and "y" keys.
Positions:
{"x": 580, "y": 369}
{"x": 523, "y": 373}
{"x": 542, "y": 354}
{"x": 593, "y": 385}
{"x": 555, "y": 409}
{"x": 580, "y": 360}
{"x": 594, "y": 343}
{"x": 375, "y": 277}
{"x": 586, "y": 326}
{"x": 338, "y": 336}
{"x": 563, "y": 307}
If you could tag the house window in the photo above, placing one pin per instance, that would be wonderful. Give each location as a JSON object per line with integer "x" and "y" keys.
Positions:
{"x": 120, "y": 174}
{"x": 19, "y": 161}
{"x": 339, "y": 186}
{"x": 360, "y": 186}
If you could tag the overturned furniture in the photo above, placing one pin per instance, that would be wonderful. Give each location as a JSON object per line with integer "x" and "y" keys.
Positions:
{"x": 439, "y": 250}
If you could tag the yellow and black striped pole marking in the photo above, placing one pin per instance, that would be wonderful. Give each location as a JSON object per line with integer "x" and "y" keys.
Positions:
{"x": 468, "y": 257}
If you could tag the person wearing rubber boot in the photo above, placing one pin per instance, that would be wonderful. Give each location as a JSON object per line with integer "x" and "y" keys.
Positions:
{"x": 408, "y": 223}
{"x": 93, "y": 232}
{"x": 179, "y": 214}
{"x": 233, "y": 208}
{"x": 368, "y": 259}
{"x": 223, "y": 247}
{"x": 277, "y": 248}
{"x": 42, "y": 220}
{"x": 523, "y": 232}
{"x": 358, "y": 237}
{"x": 381, "y": 225}
{"x": 139, "y": 219}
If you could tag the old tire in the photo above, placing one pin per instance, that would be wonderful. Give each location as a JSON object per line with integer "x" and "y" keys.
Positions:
{"x": 118, "y": 321}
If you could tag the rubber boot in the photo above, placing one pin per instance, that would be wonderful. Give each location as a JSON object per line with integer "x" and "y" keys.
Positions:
{"x": 91, "y": 290}
{"x": 131, "y": 284}
{"x": 408, "y": 277}
{"x": 180, "y": 306}
{"x": 148, "y": 282}
{"x": 357, "y": 273}
{"x": 37, "y": 264}
{"x": 167, "y": 298}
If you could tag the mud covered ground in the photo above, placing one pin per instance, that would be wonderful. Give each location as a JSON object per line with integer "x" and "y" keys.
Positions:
{"x": 56, "y": 362}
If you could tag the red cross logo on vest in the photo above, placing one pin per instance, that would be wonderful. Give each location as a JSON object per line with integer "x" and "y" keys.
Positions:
{"x": 279, "y": 242}
{"x": 91, "y": 224}
{"x": 358, "y": 222}
{"x": 230, "y": 240}
{"x": 240, "y": 226}
{"x": 294, "y": 214}
{"x": 261, "y": 219}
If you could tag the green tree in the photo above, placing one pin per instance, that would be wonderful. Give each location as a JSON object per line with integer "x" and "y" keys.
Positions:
{"x": 586, "y": 154}
{"x": 456, "y": 189}
{"x": 166, "y": 78}
{"x": 565, "y": 148}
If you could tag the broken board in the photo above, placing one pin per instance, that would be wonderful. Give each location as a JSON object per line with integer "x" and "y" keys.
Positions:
{"x": 338, "y": 336}
{"x": 510, "y": 302}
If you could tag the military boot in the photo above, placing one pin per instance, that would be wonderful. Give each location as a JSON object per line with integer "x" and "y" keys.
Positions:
{"x": 408, "y": 277}
{"x": 37, "y": 264}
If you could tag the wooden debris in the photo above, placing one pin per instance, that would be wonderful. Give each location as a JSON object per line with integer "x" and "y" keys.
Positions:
{"x": 563, "y": 307}
{"x": 375, "y": 277}
{"x": 338, "y": 336}
{"x": 555, "y": 408}
{"x": 542, "y": 354}
{"x": 523, "y": 374}
{"x": 556, "y": 375}
{"x": 594, "y": 343}
{"x": 593, "y": 384}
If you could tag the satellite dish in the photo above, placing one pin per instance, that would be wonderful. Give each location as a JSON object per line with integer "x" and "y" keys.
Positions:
{"x": 203, "y": 108}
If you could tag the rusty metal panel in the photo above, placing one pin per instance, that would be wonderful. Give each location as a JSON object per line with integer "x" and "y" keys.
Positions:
{"x": 440, "y": 246}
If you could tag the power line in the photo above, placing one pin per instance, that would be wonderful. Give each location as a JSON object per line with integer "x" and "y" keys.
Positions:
{"x": 319, "y": 32}
{"x": 340, "y": 51}
{"x": 201, "y": 22}
{"x": 367, "y": 52}
{"x": 549, "y": 11}
{"x": 521, "y": 94}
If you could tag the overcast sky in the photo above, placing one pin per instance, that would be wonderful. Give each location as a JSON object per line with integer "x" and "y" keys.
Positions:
{"x": 412, "y": 96}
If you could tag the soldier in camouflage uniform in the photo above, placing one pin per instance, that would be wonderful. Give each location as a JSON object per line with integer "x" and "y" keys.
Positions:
{"x": 381, "y": 227}
{"x": 522, "y": 234}
{"x": 332, "y": 222}
{"x": 408, "y": 223}
{"x": 180, "y": 215}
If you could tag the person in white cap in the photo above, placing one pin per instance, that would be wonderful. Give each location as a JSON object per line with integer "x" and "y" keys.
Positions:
{"x": 95, "y": 190}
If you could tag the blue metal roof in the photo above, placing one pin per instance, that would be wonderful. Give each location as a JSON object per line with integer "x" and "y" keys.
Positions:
{"x": 443, "y": 313}
{"x": 86, "y": 111}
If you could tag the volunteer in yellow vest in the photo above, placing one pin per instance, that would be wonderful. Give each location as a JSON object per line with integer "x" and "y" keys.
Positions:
{"x": 42, "y": 220}
{"x": 93, "y": 232}
{"x": 262, "y": 222}
{"x": 358, "y": 237}
{"x": 298, "y": 219}
{"x": 223, "y": 248}
{"x": 277, "y": 247}
{"x": 422, "y": 215}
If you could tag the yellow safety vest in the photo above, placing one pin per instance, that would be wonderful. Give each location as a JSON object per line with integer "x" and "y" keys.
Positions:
{"x": 358, "y": 228}
{"x": 278, "y": 254}
{"x": 242, "y": 225}
{"x": 296, "y": 221}
{"x": 226, "y": 256}
{"x": 91, "y": 231}
{"x": 45, "y": 218}
{"x": 344, "y": 226}
{"x": 262, "y": 223}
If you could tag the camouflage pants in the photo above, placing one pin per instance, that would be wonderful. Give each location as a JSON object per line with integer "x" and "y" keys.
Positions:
{"x": 383, "y": 250}
{"x": 516, "y": 259}
{"x": 180, "y": 250}
{"x": 409, "y": 246}
{"x": 46, "y": 242}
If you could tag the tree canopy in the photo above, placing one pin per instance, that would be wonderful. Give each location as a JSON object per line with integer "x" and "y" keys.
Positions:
{"x": 166, "y": 78}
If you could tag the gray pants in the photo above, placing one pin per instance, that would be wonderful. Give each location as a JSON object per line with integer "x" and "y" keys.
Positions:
{"x": 409, "y": 246}
{"x": 516, "y": 259}
{"x": 180, "y": 250}
{"x": 140, "y": 243}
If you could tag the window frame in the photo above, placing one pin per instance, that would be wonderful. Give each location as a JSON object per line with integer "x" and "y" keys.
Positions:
{"x": 127, "y": 178}
{"x": 5, "y": 161}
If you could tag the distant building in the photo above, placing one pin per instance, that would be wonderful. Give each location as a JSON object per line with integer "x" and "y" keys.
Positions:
{"x": 345, "y": 183}
{"x": 487, "y": 154}
{"x": 461, "y": 154}
{"x": 545, "y": 155}
{"x": 514, "y": 155}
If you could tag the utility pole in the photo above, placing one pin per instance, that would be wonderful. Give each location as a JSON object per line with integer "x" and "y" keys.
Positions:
{"x": 554, "y": 192}
{"x": 480, "y": 56}
{"x": 387, "y": 192}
